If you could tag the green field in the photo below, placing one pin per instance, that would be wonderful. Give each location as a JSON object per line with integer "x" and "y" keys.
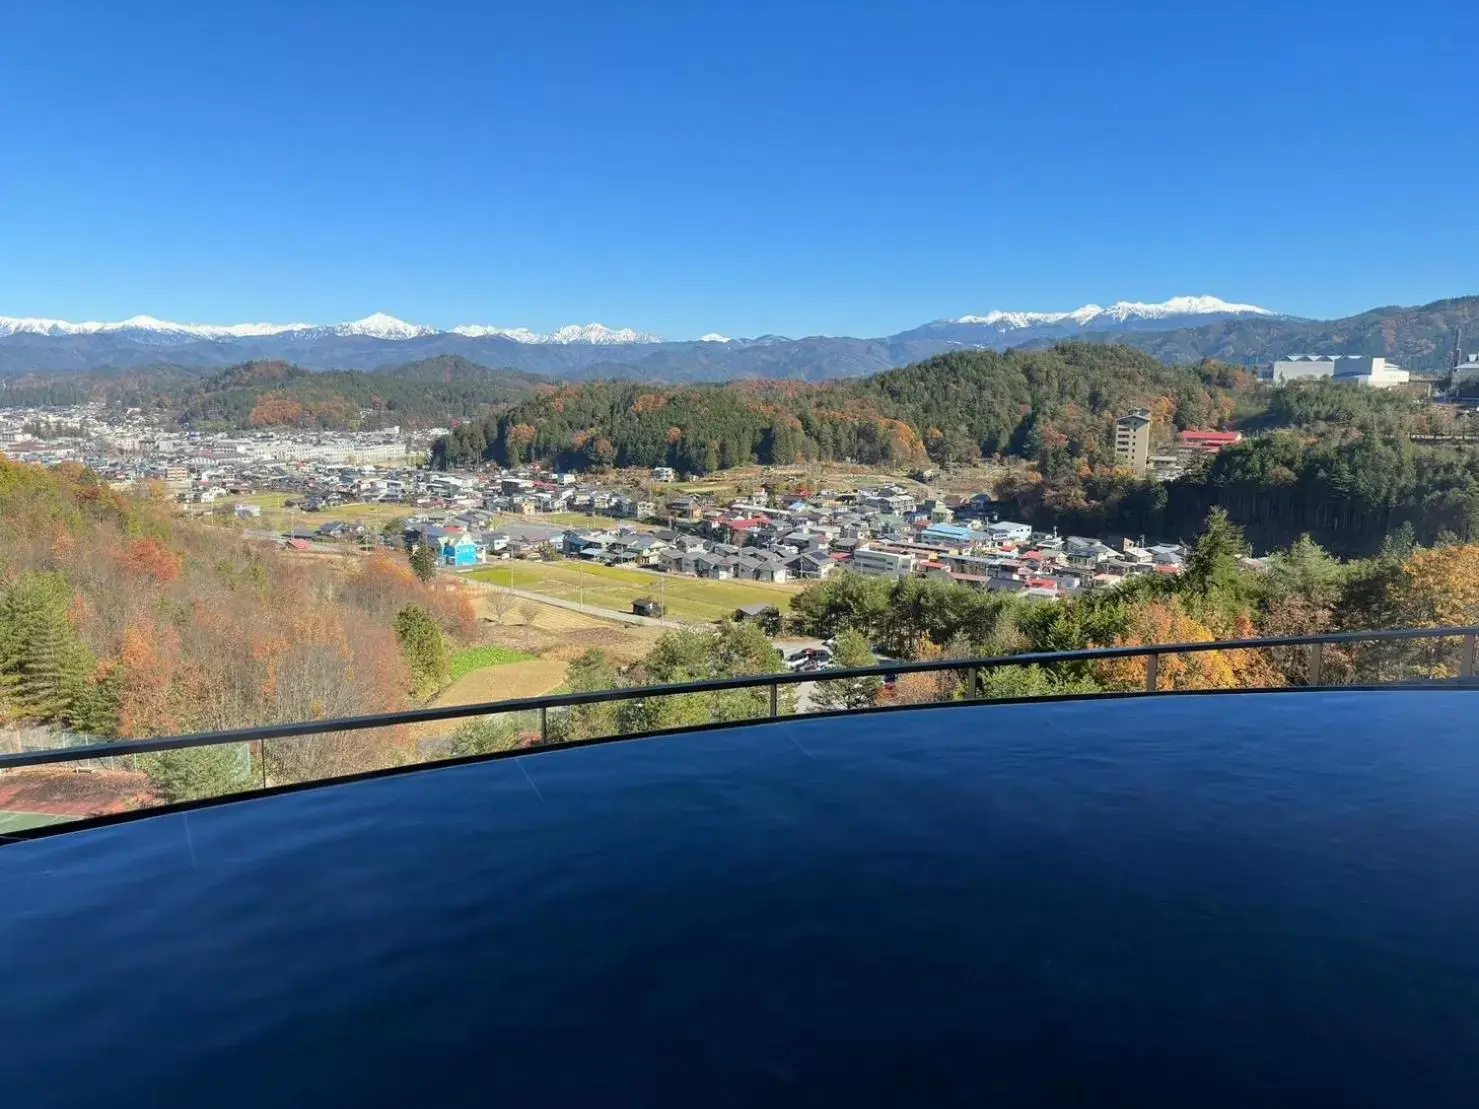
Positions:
{"x": 469, "y": 659}
{"x": 614, "y": 588}
{"x": 18, "y": 821}
{"x": 276, "y": 517}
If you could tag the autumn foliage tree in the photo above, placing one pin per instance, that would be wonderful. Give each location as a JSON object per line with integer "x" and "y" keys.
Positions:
{"x": 117, "y": 618}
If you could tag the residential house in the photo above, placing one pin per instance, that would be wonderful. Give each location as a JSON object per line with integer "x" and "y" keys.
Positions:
{"x": 810, "y": 565}
{"x": 936, "y": 511}
{"x": 461, "y": 550}
{"x": 759, "y": 613}
{"x": 1082, "y": 551}
{"x": 1007, "y": 531}
{"x": 753, "y": 565}
{"x": 716, "y": 567}
{"x": 678, "y": 560}
{"x": 950, "y": 535}
{"x": 979, "y": 504}
{"x": 684, "y": 510}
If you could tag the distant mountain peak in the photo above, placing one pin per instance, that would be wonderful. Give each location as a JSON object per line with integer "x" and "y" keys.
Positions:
{"x": 597, "y": 334}
{"x": 714, "y": 337}
{"x": 1118, "y": 312}
{"x": 378, "y": 325}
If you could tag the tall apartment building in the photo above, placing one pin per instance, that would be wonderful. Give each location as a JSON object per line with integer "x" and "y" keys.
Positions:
{"x": 1132, "y": 440}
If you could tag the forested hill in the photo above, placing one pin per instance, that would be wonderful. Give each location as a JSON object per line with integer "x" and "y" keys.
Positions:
{"x": 428, "y": 393}
{"x": 1417, "y": 338}
{"x": 276, "y": 394}
{"x": 952, "y": 408}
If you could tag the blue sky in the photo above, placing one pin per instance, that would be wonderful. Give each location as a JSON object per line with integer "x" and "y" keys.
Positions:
{"x": 798, "y": 168}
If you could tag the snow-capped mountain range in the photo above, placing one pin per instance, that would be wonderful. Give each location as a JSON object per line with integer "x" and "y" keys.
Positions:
{"x": 1091, "y": 314}
{"x": 376, "y": 326}
{"x": 382, "y": 326}
{"x": 380, "y": 340}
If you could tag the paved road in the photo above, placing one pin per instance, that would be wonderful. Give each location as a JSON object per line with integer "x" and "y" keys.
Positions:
{"x": 575, "y": 606}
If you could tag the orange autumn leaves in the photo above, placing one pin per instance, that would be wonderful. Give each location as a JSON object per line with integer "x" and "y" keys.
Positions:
{"x": 1168, "y": 621}
{"x": 193, "y": 628}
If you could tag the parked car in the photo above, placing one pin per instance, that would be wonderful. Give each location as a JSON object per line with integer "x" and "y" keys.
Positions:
{"x": 809, "y": 658}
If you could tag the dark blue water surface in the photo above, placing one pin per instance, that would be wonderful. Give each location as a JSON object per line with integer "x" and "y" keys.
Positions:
{"x": 1201, "y": 901}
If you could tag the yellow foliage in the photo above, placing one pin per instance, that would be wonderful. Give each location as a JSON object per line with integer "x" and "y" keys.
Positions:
{"x": 1168, "y": 622}
{"x": 1440, "y": 588}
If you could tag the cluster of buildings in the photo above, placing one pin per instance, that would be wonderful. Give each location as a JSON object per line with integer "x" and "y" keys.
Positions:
{"x": 1132, "y": 446}
{"x": 323, "y": 467}
{"x": 90, "y": 430}
{"x": 888, "y": 530}
{"x": 884, "y": 531}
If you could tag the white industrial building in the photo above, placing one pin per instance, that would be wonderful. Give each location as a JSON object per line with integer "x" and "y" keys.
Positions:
{"x": 1359, "y": 369}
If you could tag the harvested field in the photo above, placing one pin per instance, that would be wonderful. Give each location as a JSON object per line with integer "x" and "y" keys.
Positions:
{"x": 502, "y": 683}
{"x": 64, "y": 792}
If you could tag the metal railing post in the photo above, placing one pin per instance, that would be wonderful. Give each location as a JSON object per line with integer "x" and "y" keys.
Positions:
{"x": 775, "y": 699}
{"x": 543, "y": 724}
{"x": 1152, "y": 672}
{"x": 1316, "y": 664}
{"x": 975, "y": 686}
{"x": 1466, "y": 656}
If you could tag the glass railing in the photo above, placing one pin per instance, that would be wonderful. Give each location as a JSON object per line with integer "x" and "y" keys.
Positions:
{"x": 50, "y": 780}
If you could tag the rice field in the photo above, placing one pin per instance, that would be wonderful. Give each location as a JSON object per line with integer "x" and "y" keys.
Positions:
{"x": 693, "y": 599}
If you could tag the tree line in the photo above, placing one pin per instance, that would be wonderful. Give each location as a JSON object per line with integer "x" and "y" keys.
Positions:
{"x": 430, "y": 393}
{"x": 1054, "y": 405}
{"x": 1349, "y": 486}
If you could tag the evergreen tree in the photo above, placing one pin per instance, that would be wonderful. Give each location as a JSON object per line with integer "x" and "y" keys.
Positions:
{"x": 424, "y": 560}
{"x": 851, "y": 652}
{"x": 46, "y": 672}
{"x": 421, "y": 643}
{"x": 1305, "y": 571}
{"x": 485, "y": 736}
{"x": 194, "y": 773}
{"x": 592, "y": 672}
{"x": 1214, "y": 565}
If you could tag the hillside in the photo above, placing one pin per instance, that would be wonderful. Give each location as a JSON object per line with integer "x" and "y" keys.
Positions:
{"x": 268, "y": 394}
{"x": 431, "y": 392}
{"x": 119, "y": 618}
{"x": 1416, "y": 338}
{"x": 951, "y": 408}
